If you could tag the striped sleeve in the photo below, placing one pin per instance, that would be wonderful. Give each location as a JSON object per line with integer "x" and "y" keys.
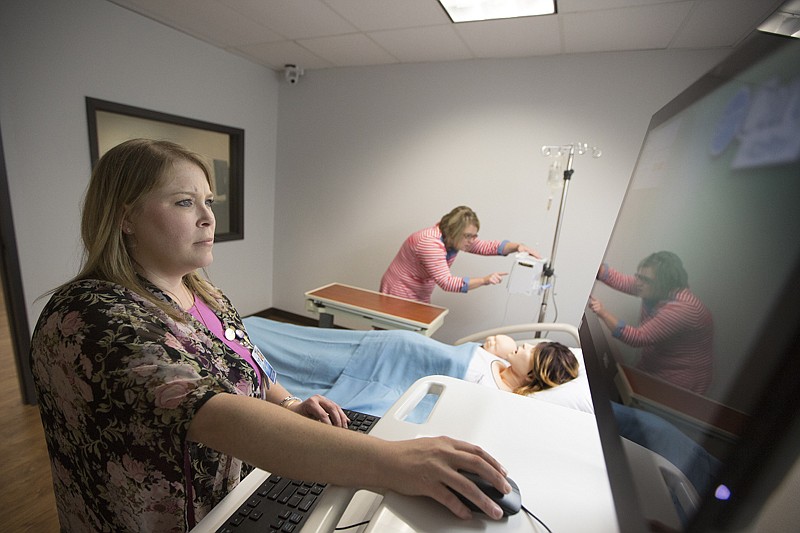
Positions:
{"x": 487, "y": 247}
{"x": 617, "y": 280}
{"x": 432, "y": 256}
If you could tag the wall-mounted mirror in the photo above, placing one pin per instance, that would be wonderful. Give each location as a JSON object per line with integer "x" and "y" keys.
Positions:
{"x": 112, "y": 123}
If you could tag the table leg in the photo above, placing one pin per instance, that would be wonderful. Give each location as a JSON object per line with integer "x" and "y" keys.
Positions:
{"x": 325, "y": 320}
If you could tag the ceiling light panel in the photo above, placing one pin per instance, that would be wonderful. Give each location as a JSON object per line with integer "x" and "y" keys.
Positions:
{"x": 473, "y": 10}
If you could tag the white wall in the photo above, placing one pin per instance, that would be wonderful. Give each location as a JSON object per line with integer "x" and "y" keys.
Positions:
{"x": 52, "y": 55}
{"x": 368, "y": 155}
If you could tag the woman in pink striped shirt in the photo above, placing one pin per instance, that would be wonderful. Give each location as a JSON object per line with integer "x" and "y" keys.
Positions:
{"x": 676, "y": 331}
{"x": 425, "y": 257}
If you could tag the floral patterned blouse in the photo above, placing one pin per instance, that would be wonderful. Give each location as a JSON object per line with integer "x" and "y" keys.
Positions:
{"x": 118, "y": 383}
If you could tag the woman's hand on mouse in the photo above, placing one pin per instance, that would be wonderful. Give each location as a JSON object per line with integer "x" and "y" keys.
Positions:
{"x": 429, "y": 467}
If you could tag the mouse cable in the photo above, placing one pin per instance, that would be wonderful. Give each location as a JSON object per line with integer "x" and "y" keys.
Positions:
{"x": 342, "y": 528}
{"x": 536, "y": 518}
{"x": 364, "y": 523}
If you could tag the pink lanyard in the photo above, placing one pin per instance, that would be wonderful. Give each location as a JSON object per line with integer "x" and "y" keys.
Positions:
{"x": 206, "y": 316}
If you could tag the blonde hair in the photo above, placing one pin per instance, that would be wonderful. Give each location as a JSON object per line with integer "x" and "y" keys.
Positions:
{"x": 453, "y": 224}
{"x": 552, "y": 364}
{"x": 120, "y": 181}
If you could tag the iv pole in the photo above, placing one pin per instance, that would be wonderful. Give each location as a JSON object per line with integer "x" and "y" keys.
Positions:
{"x": 549, "y": 271}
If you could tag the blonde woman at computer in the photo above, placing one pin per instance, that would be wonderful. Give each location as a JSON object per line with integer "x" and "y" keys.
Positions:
{"x": 154, "y": 401}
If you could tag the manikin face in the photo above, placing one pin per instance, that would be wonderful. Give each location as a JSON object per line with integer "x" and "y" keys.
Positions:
{"x": 521, "y": 359}
{"x": 173, "y": 229}
{"x": 467, "y": 238}
{"x": 499, "y": 345}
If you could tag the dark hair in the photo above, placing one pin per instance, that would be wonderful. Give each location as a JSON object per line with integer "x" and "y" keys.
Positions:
{"x": 670, "y": 275}
{"x": 453, "y": 224}
{"x": 551, "y": 365}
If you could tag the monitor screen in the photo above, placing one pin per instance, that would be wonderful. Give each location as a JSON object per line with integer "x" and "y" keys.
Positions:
{"x": 690, "y": 334}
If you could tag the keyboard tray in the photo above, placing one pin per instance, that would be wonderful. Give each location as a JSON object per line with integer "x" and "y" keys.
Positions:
{"x": 281, "y": 505}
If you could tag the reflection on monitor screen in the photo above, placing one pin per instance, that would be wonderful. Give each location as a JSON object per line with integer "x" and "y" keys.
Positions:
{"x": 690, "y": 325}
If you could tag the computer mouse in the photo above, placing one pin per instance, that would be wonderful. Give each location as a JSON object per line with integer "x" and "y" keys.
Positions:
{"x": 510, "y": 503}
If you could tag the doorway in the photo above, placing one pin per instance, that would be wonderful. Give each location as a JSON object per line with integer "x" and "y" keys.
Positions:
{"x": 12, "y": 297}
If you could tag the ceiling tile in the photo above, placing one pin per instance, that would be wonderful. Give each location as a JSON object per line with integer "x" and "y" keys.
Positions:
{"x": 723, "y": 22}
{"x": 575, "y": 6}
{"x": 327, "y": 33}
{"x": 376, "y": 15}
{"x": 208, "y": 20}
{"x": 355, "y": 49}
{"x": 276, "y": 55}
{"x": 642, "y": 28}
{"x": 294, "y": 19}
{"x": 431, "y": 43}
{"x": 528, "y": 36}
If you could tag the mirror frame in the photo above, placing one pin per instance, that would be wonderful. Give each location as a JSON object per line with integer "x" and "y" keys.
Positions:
{"x": 180, "y": 130}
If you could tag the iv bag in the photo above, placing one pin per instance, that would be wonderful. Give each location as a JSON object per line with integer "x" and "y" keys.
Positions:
{"x": 554, "y": 180}
{"x": 554, "y": 176}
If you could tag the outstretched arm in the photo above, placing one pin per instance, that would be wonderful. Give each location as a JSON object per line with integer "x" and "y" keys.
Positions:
{"x": 512, "y": 247}
{"x": 491, "y": 279}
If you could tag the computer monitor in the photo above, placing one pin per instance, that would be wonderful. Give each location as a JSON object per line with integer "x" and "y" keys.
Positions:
{"x": 716, "y": 186}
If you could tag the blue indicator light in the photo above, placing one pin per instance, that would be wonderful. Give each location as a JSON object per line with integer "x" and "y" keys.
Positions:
{"x": 722, "y": 493}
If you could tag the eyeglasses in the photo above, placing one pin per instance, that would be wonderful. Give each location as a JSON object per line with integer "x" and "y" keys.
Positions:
{"x": 470, "y": 236}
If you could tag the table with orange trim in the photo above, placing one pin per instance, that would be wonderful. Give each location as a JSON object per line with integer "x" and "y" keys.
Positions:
{"x": 380, "y": 311}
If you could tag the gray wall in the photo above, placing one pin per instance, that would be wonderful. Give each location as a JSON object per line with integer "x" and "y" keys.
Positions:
{"x": 52, "y": 55}
{"x": 365, "y": 155}
{"x": 368, "y": 155}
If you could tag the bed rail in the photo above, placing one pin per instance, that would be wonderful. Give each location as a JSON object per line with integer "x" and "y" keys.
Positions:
{"x": 532, "y": 328}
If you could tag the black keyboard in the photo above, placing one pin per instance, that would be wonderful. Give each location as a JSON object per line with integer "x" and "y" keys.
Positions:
{"x": 281, "y": 505}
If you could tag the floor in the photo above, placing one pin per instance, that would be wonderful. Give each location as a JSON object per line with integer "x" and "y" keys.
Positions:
{"x": 27, "y": 503}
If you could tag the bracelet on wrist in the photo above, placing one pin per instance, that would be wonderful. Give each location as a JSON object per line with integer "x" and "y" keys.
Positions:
{"x": 289, "y": 400}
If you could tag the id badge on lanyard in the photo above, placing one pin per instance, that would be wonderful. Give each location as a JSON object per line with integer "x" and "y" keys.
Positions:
{"x": 264, "y": 365}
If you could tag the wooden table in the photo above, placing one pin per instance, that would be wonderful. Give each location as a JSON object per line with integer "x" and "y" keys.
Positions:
{"x": 379, "y": 310}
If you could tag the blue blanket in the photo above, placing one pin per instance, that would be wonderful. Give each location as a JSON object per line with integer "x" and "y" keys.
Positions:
{"x": 360, "y": 370}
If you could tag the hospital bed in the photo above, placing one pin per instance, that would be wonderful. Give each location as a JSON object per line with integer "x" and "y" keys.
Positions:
{"x": 674, "y": 495}
{"x": 556, "y": 460}
{"x": 368, "y": 371}
{"x": 560, "y": 445}
{"x": 529, "y": 329}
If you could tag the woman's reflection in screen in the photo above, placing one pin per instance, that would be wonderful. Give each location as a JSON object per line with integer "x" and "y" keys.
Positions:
{"x": 675, "y": 331}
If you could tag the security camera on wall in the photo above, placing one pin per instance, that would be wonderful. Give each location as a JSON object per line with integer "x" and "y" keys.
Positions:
{"x": 292, "y": 73}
